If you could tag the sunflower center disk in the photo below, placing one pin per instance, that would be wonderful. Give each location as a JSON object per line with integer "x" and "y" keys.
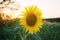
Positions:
{"x": 31, "y": 20}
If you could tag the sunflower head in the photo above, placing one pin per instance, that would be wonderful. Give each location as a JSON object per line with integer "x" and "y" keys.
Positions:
{"x": 32, "y": 20}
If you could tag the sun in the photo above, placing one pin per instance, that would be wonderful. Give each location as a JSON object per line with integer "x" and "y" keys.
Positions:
{"x": 32, "y": 20}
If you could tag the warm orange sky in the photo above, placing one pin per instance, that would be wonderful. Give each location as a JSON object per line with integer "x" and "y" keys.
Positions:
{"x": 50, "y": 8}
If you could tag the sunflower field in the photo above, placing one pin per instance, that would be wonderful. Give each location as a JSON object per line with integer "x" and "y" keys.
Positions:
{"x": 30, "y": 26}
{"x": 13, "y": 31}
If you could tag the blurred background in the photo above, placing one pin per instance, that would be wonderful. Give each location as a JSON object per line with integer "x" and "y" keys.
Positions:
{"x": 10, "y": 29}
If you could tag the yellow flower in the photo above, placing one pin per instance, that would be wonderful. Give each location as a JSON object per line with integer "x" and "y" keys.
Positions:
{"x": 32, "y": 20}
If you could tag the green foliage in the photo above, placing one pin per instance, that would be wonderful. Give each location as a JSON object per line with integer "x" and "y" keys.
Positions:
{"x": 50, "y": 31}
{"x": 9, "y": 31}
{"x": 14, "y": 31}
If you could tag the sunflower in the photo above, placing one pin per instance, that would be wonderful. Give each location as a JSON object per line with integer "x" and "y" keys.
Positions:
{"x": 32, "y": 20}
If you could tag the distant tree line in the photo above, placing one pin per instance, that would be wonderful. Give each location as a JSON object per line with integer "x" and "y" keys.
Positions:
{"x": 52, "y": 19}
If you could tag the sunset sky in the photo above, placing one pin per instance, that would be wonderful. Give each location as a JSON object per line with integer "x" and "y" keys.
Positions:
{"x": 50, "y": 8}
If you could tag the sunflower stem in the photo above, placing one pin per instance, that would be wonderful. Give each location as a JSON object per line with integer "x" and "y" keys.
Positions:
{"x": 23, "y": 35}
